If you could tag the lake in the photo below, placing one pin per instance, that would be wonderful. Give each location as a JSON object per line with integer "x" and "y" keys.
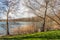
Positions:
{"x": 13, "y": 25}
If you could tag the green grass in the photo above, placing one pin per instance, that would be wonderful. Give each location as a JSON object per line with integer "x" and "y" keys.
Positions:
{"x": 54, "y": 35}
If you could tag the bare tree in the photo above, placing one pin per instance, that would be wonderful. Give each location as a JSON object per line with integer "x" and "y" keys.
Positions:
{"x": 11, "y": 8}
{"x": 34, "y": 8}
{"x": 47, "y": 1}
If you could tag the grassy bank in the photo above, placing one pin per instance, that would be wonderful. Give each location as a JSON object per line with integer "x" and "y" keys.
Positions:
{"x": 54, "y": 35}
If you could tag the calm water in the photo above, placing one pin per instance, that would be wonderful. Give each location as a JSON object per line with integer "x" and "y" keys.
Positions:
{"x": 13, "y": 25}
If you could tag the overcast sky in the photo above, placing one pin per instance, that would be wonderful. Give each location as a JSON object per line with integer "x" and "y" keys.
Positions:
{"x": 23, "y": 11}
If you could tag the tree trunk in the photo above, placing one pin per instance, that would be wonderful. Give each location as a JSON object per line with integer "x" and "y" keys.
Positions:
{"x": 43, "y": 28}
{"x": 7, "y": 23}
